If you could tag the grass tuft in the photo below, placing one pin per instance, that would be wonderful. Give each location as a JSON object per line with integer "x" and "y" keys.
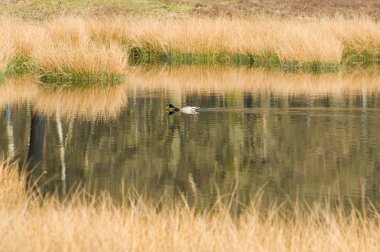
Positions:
{"x": 20, "y": 65}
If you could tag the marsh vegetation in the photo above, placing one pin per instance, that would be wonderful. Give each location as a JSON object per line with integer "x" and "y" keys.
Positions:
{"x": 79, "y": 50}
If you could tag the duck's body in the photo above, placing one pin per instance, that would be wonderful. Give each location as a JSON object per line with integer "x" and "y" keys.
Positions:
{"x": 189, "y": 110}
{"x": 186, "y": 110}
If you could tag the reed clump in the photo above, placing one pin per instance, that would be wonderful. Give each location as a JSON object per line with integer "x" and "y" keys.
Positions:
{"x": 69, "y": 55}
{"x": 261, "y": 40}
{"x": 60, "y": 51}
{"x": 34, "y": 223}
{"x": 81, "y": 64}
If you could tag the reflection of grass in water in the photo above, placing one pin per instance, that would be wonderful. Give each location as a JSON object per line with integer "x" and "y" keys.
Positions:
{"x": 364, "y": 58}
{"x": 255, "y": 80}
{"x": 141, "y": 57}
{"x": 83, "y": 102}
{"x": 136, "y": 224}
{"x": 80, "y": 79}
{"x": 18, "y": 90}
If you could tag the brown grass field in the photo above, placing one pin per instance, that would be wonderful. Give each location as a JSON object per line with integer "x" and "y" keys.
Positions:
{"x": 32, "y": 223}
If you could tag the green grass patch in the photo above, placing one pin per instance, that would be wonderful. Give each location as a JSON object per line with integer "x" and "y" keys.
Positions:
{"x": 20, "y": 65}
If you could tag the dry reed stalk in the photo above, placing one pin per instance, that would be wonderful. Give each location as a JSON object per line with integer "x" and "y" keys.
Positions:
{"x": 12, "y": 186}
{"x": 68, "y": 30}
{"x": 101, "y": 225}
{"x": 109, "y": 30}
{"x": 24, "y": 37}
{"x": 80, "y": 60}
{"x": 6, "y": 51}
{"x": 358, "y": 34}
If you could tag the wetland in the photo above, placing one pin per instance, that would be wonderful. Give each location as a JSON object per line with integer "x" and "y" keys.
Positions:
{"x": 283, "y": 154}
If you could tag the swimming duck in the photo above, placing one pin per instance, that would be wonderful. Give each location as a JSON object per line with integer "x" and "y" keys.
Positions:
{"x": 186, "y": 110}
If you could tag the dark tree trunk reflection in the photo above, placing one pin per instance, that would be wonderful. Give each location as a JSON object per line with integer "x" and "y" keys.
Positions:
{"x": 36, "y": 142}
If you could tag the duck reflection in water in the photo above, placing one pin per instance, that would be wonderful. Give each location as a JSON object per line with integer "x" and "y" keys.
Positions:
{"x": 171, "y": 109}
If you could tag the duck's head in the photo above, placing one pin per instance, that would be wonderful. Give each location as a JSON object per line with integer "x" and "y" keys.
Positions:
{"x": 171, "y": 108}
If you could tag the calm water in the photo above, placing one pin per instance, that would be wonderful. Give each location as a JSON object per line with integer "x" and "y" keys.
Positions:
{"x": 299, "y": 144}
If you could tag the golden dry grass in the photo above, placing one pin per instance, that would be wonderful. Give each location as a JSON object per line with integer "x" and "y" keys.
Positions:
{"x": 61, "y": 48}
{"x": 101, "y": 225}
{"x": 82, "y": 46}
{"x": 303, "y": 40}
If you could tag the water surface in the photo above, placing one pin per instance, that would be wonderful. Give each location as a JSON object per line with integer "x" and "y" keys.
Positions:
{"x": 291, "y": 136}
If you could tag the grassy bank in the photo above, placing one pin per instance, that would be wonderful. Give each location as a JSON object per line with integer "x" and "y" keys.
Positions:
{"x": 135, "y": 225}
{"x": 79, "y": 50}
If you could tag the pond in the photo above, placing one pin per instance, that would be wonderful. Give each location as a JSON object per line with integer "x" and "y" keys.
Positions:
{"x": 288, "y": 136}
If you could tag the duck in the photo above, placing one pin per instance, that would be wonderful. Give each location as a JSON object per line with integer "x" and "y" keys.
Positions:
{"x": 186, "y": 110}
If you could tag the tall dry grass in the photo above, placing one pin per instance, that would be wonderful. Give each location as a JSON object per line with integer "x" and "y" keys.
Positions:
{"x": 27, "y": 224}
{"x": 322, "y": 39}
{"x": 58, "y": 50}
{"x": 79, "y": 46}
{"x": 5, "y": 52}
